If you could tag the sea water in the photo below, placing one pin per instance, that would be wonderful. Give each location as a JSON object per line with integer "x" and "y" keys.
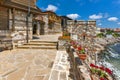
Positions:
{"x": 111, "y": 59}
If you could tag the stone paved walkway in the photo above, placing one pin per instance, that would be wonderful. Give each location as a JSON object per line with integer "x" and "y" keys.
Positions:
{"x": 49, "y": 37}
{"x": 26, "y": 64}
{"x": 60, "y": 69}
{"x": 34, "y": 64}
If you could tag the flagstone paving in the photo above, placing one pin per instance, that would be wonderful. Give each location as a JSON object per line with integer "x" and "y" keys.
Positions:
{"x": 60, "y": 69}
{"x": 34, "y": 64}
{"x": 26, "y": 64}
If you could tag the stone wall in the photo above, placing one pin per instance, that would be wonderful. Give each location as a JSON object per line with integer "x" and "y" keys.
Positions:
{"x": 18, "y": 25}
{"x": 45, "y": 19}
{"x": 82, "y": 28}
{"x": 57, "y": 27}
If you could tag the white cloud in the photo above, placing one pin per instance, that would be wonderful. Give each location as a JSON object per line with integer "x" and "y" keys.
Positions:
{"x": 100, "y": 24}
{"x": 94, "y": 16}
{"x": 118, "y": 23}
{"x": 51, "y": 8}
{"x": 112, "y": 19}
{"x": 73, "y": 16}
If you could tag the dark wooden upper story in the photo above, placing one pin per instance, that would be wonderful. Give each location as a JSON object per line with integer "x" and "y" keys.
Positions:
{"x": 32, "y": 3}
{"x": 53, "y": 17}
{"x": 21, "y": 4}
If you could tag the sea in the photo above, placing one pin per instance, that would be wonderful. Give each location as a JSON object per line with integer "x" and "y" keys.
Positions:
{"x": 111, "y": 59}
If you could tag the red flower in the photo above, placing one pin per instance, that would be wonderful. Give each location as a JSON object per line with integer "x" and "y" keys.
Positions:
{"x": 102, "y": 68}
{"x": 79, "y": 47}
{"x": 96, "y": 66}
{"x": 108, "y": 70}
{"x": 73, "y": 42}
{"x": 92, "y": 65}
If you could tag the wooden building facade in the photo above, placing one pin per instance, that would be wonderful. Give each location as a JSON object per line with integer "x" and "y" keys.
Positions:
{"x": 15, "y": 18}
{"x": 38, "y": 25}
{"x": 54, "y": 22}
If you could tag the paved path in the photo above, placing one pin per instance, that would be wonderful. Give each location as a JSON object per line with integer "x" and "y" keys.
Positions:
{"x": 34, "y": 64}
{"x": 26, "y": 64}
{"x": 60, "y": 69}
{"x": 49, "y": 37}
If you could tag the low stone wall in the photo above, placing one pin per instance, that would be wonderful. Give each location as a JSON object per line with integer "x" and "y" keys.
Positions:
{"x": 61, "y": 44}
{"x": 6, "y": 44}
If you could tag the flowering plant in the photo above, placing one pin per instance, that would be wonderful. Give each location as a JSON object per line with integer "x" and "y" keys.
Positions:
{"x": 81, "y": 50}
{"x": 73, "y": 43}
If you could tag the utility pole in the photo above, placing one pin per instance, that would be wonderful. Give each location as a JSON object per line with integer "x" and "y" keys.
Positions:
{"x": 27, "y": 22}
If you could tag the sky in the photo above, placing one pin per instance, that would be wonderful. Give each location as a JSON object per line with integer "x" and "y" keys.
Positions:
{"x": 105, "y": 12}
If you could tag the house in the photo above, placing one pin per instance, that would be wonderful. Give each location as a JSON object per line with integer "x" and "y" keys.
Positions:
{"x": 17, "y": 18}
{"x": 64, "y": 20}
{"x": 83, "y": 29}
{"x": 53, "y": 24}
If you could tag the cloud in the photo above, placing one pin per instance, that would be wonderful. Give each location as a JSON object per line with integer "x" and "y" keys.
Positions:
{"x": 112, "y": 19}
{"x": 118, "y": 23}
{"x": 100, "y": 24}
{"x": 94, "y": 16}
{"x": 51, "y": 8}
{"x": 73, "y": 16}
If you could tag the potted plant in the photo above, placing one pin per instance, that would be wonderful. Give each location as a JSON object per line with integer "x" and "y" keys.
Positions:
{"x": 74, "y": 44}
{"x": 81, "y": 53}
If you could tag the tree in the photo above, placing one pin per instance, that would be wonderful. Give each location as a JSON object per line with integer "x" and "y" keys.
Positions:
{"x": 101, "y": 35}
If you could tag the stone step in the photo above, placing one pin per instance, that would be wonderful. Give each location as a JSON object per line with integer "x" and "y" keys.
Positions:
{"x": 40, "y": 41}
{"x": 41, "y": 44}
{"x": 36, "y": 47}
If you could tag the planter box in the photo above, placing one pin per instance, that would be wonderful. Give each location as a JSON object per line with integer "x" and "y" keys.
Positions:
{"x": 74, "y": 46}
{"x": 64, "y": 38}
{"x": 82, "y": 56}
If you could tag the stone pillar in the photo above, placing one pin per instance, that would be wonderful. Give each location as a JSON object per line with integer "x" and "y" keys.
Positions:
{"x": 38, "y": 28}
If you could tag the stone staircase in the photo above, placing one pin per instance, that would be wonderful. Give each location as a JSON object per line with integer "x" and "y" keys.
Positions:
{"x": 38, "y": 44}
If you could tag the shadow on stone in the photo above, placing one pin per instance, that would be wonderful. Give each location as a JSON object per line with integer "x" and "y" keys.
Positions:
{"x": 78, "y": 61}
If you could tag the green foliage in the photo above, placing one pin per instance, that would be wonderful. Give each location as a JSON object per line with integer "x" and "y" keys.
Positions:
{"x": 99, "y": 72}
{"x": 82, "y": 51}
{"x": 93, "y": 70}
{"x": 101, "y": 35}
{"x": 109, "y": 32}
{"x": 103, "y": 74}
{"x": 66, "y": 33}
{"x": 116, "y": 34}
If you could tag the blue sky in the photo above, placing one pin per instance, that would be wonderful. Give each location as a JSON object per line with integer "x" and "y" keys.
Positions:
{"x": 105, "y": 12}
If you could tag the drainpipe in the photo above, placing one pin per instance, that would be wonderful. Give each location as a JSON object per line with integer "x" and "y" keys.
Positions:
{"x": 27, "y": 22}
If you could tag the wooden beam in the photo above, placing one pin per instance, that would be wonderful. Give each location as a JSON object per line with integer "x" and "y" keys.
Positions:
{"x": 13, "y": 19}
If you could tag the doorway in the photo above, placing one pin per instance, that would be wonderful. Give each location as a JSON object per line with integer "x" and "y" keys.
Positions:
{"x": 42, "y": 31}
{"x": 34, "y": 29}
